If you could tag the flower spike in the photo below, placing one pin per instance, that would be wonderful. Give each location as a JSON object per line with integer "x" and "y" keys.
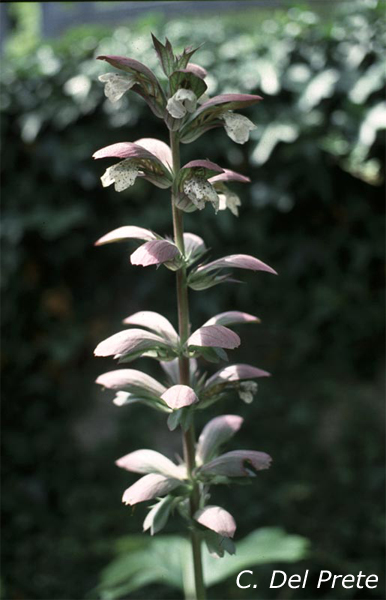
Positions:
{"x": 187, "y": 111}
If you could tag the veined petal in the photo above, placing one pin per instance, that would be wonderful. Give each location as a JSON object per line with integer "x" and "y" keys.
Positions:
{"x": 239, "y": 463}
{"x": 116, "y": 85}
{"x": 131, "y": 65}
{"x": 232, "y": 317}
{"x": 128, "y": 232}
{"x": 149, "y": 487}
{"x": 228, "y": 175}
{"x": 215, "y": 336}
{"x": 129, "y": 379}
{"x": 158, "y": 148}
{"x": 239, "y": 261}
{"x": 193, "y": 244}
{"x": 197, "y": 70}
{"x": 230, "y": 101}
{"x": 155, "y": 322}
{"x": 126, "y": 150}
{"x": 207, "y": 165}
{"x": 181, "y": 102}
{"x": 237, "y": 127}
{"x": 155, "y": 252}
{"x": 127, "y": 341}
{"x": 179, "y": 396}
{"x": 235, "y": 373}
{"x": 218, "y": 431}
{"x": 217, "y": 519}
{"x": 149, "y": 461}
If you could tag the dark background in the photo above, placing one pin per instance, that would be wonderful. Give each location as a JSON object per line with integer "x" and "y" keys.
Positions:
{"x": 314, "y": 211}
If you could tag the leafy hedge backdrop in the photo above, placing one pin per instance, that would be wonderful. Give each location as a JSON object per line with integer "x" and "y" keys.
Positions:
{"x": 314, "y": 212}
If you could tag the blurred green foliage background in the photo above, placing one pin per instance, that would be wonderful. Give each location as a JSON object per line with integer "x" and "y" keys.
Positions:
{"x": 314, "y": 211}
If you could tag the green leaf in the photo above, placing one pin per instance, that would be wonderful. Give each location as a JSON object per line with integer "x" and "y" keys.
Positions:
{"x": 167, "y": 560}
{"x": 155, "y": 560}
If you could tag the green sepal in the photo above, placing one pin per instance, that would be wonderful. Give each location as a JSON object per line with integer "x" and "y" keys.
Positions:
{"x": 204, "y": 281}
{"x": 165, "y": 54}
{"x": 174, "y": 419}
{"x": 211, "y": 354}
{"x": 158, "y": 515}
{"x": 182, "y": 416}
{"x": 157, "y": 352}
{"x": 187, "y": 80}
{"x": 183, "y": 59}
{"x": 218, "y": 545}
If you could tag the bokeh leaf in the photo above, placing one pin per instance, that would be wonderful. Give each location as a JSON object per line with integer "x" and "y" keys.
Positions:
{"x": 166, "y": 559}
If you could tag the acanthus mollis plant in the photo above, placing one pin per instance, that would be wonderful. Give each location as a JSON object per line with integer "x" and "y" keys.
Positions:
{"x": 188, "y": 113}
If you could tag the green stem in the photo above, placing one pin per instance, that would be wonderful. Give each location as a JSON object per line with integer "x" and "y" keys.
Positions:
{"x": 183, "y": 326}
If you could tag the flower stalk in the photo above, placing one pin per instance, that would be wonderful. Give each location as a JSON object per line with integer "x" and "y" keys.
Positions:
{"x": 188, "y": 437}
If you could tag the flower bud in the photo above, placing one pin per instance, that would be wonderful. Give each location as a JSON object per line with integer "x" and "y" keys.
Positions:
{"x": 217, "y": 519}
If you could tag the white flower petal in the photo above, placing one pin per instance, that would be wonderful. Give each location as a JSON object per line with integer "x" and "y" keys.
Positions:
{"x": 237, "y": 127}
{"x": 107, "y": 178}
{"x": 228, "y": 199}
{"x": 247, "y": 391}
{"x": 200, "y": 191}
{"x": 181, "y": 102}
{"x": 116, "y": 85}
{"x": 121, "y": 398}
{"x": 123, "y": 175}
